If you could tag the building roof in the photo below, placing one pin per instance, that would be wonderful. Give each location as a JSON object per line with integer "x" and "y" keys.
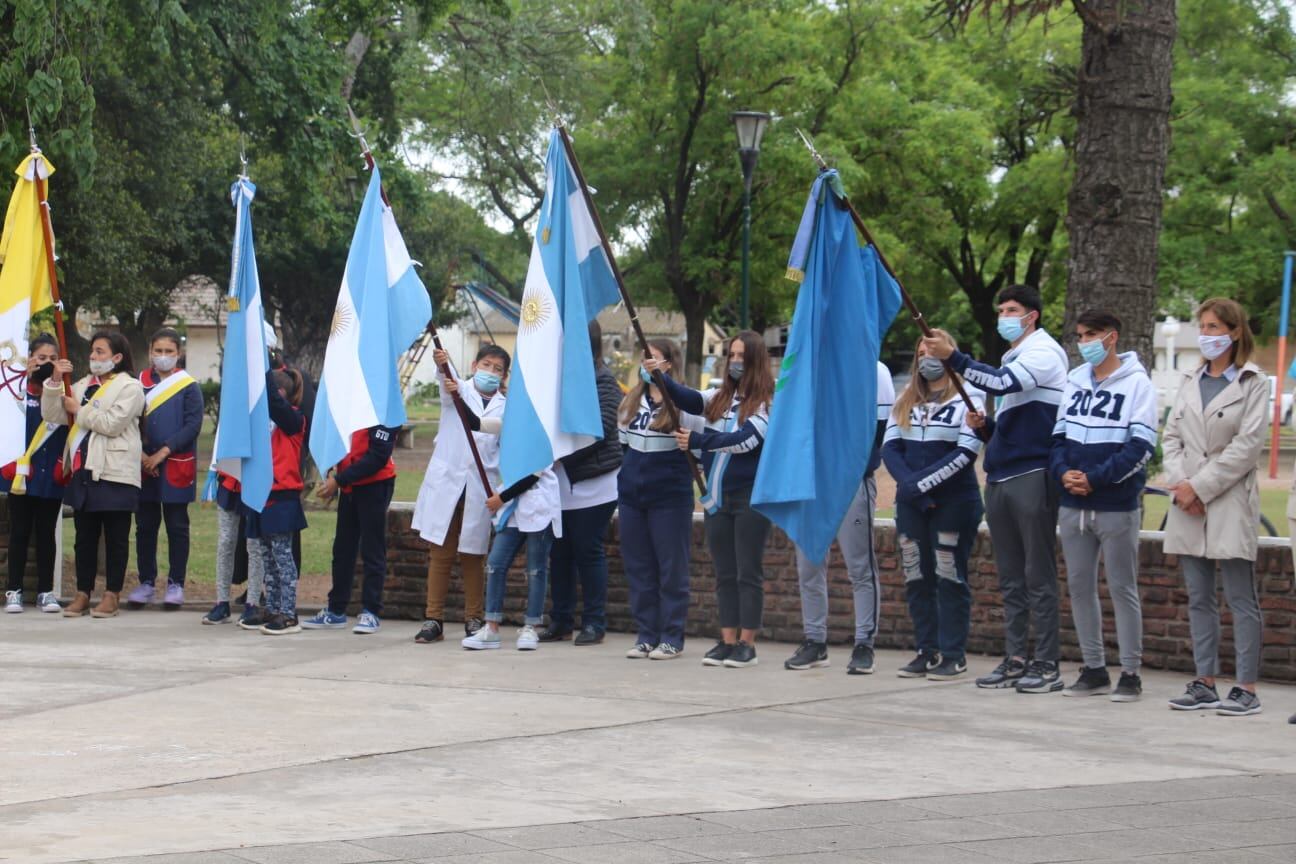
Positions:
{"x": 198, "y": 301}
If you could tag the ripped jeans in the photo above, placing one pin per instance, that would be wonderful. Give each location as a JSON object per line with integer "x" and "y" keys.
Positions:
{"x": 934, "y": 548}
{"x": 504, "y": 549}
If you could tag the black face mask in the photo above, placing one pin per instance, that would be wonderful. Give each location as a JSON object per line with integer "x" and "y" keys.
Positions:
{"x": 41, "y": 373}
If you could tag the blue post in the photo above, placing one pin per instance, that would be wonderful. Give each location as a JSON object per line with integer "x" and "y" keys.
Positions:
{"x": 1282, "y": 363}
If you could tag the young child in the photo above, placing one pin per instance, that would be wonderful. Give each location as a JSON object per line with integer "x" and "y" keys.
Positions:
{"x": 270, "y": 532}
{"x": 655, "y": 498}
{"x": 104, "y": 408}
{"x": 173, "y": 415}
{"x": 229, "y": 529}
{"x": 35, "y": 494}
{"x": 451, "y": 510}
{"x": 366, "y": 478}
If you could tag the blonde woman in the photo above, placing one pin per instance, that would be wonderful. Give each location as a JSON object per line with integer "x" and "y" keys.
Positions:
{"x": 931, "y": 450}
{"x": 1211, "y": 443}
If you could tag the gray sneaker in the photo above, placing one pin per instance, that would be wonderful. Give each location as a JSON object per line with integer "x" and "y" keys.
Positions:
{"x": 1197, "y": 696}
{"x": 1239, "y": 703}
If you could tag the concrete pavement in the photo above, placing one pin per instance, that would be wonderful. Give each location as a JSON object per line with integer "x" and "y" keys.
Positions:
{"x": 152, "y": 734}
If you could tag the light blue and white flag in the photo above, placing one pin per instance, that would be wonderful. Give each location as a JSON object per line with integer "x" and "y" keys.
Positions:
{"x": 381, "y": 308}
{"x": 243, "y": 436}
{"x": 553, "y": 407}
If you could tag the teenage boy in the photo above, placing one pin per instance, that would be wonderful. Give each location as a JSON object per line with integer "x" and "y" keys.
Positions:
{"x": 1103, "y": 440}
{"x": 365, "y": 479}
{"x": 1021, "y": 499}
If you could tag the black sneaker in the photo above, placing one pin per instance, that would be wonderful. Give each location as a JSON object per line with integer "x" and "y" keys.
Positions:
{"x": 588, "y": 635}
{"x": 741, "y": 655}
{"x": 219, "y": 614}
{"x": 861, "y": 662}
{"x": 553, "y": 634}
{"x": 949, "y": 669}
{"x": 1006, "y": 674}
{"x": 718, "y": 654}
{"x": 1197, "y": 696}
{"x": 281, "y": 625}
{"x": 1042, "y": 676}
{"x": 923, "y": 662}
{"x": 811, "y": 655}
{"x": 1292, "y": 720}
{"x": 1128, "y": 689}
{"x": 432, "y": 631}
{"x": 1239, "y": 703}
{"x": 1092, "y": 682}
{"x": 253, "y": 618}
{"x": 472, "y": 625}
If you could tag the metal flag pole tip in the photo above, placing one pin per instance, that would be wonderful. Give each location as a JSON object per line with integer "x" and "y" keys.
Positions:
{"x": 806, "y": 140}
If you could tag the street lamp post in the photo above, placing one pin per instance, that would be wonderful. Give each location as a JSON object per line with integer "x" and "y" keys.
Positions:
{"x": 750, "y": 126}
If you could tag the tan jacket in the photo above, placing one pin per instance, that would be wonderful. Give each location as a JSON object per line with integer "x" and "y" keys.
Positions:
{"x": 113, "y": 450}
{"x": 1216, "y": 450}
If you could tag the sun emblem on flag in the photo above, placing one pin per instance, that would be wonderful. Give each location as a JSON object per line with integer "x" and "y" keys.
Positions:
{"x": 342, "y": 318}
{"x": 536, "y": 309}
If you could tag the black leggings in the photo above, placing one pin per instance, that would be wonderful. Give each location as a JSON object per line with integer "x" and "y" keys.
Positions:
{"x": 736, "y": 537}
{"x": 30, "y": 516}
{"x": 114, "y": 526}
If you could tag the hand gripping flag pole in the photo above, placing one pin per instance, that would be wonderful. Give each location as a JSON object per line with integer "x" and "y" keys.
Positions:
{"x": 667, "y": 404}
{"x": 460, "y": 407}
{"x": 908, "y": 301}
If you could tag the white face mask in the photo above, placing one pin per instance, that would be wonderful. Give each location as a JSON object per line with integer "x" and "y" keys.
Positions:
{"x": 1213, "y": 347}
{"x": 165, "y": 362}
{"x": 101, "y": 367}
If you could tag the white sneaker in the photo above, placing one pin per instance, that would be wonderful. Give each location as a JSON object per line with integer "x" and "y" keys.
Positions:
{"x": 641, "y": 651}
{"x": 48, "y": 602}
{"x": 13, "y": 602}
{"x": 665, "y": 651}
{"x": 528, "y": 639}
{"x": 483, "y": 640}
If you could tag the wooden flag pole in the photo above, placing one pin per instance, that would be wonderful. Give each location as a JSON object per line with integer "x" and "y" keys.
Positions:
{"x": 908, "y": 301}
{"x": 460, "y": 407}
{"x": 47, "y": 229}
{"x": 658, "y": 378}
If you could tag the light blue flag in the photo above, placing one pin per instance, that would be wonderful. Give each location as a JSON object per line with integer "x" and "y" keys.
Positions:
{"x": 824, "y": 415}
{"x": 553, "y": 407}
{"x": 243, "y": 435}
{"x": 382, "y": 307}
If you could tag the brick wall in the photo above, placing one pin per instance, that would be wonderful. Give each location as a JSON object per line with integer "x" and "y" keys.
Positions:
{"x": 1166, "y": 642}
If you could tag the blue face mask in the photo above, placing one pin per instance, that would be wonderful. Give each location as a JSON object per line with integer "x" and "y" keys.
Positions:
{"x": 486, "y": 382}
{"x": 1093, "y": 352}
{"x": 736, "y": 370}
{"x": 1010, "y": 327}
{"x": 645, "y": 375}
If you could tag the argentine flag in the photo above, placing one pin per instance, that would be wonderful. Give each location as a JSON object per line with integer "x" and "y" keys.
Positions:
{"x": 553, "y": 407}
{"x": 381, "y": 308}
{"x": 243, "y": 436}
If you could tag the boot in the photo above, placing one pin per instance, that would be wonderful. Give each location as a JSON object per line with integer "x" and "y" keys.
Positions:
{"x": 107, "y": 608}
{"x": 79, "y": 606}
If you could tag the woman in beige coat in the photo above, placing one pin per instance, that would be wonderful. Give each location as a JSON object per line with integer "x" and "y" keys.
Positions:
{"x": 1212, "y": 442}
{"x": 101, "y": 462}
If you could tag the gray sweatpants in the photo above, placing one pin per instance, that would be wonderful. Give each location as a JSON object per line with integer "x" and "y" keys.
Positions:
{"x": 1238, "y": 576}
{"x": 1086, "y": 533}
{"x": 1022, "y": 515}
{"x": 855, "y": 536}
{"x": 227, "y": 531}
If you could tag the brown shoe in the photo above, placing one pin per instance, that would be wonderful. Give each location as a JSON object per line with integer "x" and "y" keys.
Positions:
{"x": 79, "y": 606}
{"x": 107, "y": 607}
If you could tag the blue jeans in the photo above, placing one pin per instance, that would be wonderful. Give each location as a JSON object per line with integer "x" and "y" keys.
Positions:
{"x": 934, "y": 548}
{"x": 579, "y": 552}
{"x": 503, "y": 549}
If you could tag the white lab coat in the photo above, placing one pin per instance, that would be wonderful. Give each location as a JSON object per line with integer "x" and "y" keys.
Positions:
{"x": 451, "y": 470}
{"x": 539, "y": 507}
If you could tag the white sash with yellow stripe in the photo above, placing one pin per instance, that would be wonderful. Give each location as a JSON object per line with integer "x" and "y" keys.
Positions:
{"x": 22, "y": 469}
{"x": 165, "y": 389}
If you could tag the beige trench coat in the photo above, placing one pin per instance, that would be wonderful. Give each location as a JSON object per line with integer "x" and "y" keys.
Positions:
{"x": 1216, "y": 450}
{"x": 113, "y": 451}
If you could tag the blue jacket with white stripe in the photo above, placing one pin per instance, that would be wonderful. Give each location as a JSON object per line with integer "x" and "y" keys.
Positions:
{"x": 1030, "y": 383}
{"x": 1106, "y": 429}
{"x": 741, "y": 441}
{"x": 933, "y": 461}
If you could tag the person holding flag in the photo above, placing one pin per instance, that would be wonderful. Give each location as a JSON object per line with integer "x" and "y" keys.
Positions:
{"x": 737, "y": 416}
{"x": 821, "y": 439}
{"x": 35, "y": 488}
{"x": 381, "y": 308}
{"x": 173, "y": 416}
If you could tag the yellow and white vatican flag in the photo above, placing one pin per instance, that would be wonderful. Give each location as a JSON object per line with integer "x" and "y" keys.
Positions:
{"x": 24, "y": 290}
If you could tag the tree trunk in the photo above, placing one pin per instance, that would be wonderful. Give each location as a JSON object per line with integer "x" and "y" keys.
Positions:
{"x": 695, "y": 330}
{"x": 1122, "y": 140}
